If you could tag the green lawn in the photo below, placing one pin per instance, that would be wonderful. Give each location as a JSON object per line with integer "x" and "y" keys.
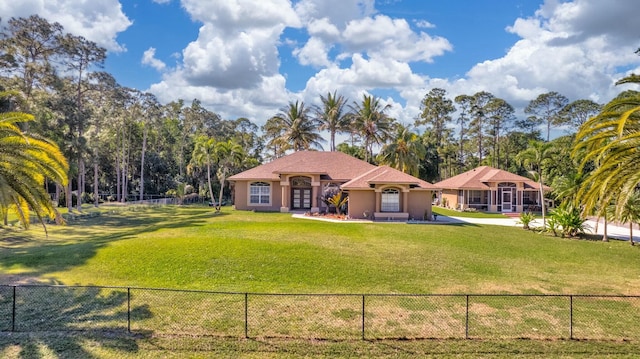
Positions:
{"x": 193, "y": 248}
{"x": 470, "y": 214}
{"x": 236, "y": 251}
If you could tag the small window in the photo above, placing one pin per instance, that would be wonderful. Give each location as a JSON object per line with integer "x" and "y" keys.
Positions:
{"x": 390, "y": 201}
{"x": 259, "y": 193}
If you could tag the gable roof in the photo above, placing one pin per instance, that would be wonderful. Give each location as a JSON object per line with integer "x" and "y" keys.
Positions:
{"x": 479, "y": 177}
{"x": 337, "y": 166}
{"x": 386, "y": 175}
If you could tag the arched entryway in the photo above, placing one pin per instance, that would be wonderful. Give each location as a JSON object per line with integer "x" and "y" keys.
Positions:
{"x": 300, "y": 193}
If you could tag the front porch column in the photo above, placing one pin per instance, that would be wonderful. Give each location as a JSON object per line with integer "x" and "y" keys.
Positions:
{"x": 378, "y": 199}
{"x": 315, "y": 186}
{"x": 405, "y": 201}
{"x": 284, "y": 205}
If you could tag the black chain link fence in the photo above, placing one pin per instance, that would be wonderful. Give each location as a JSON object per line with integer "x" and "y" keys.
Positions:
{"x": 36, "y": 308}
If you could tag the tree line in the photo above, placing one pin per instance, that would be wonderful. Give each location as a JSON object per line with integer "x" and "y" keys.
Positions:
{"x": 122, "y": 144}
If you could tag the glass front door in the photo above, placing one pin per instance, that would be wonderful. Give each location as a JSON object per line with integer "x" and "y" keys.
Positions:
{"x": 301, "y": 198}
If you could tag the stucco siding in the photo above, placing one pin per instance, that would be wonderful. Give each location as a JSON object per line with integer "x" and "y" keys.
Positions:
{"x": 241, "y": 200}
{"x": 451, "y": 197}
{"x": 361, "y": 202}
{"x": 420, "y": 204}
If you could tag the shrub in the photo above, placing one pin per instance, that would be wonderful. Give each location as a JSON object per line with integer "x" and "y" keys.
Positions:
{"x": 569, "y": 219}
{"x": 338, "y": 200}
{"x": 526, "y": 218}
{"x": 552, "y": 226}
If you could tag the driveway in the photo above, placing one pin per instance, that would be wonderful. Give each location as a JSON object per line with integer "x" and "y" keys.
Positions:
{"x": 613, "y": 231}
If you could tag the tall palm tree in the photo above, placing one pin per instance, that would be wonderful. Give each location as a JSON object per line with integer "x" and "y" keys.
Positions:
{"x": 405, "y": 152}
{"x": 371, "y": 123}
{"x": 628, "y": 213}
{"x": 536, "y": 157}
{"x": 298, "y": 127}
{"x": 229, "y": 156}
{"x": 26, "y": 162}
{"x": 332, "y": 116}
{"x": 204, "y": 155}
{"x": 610, "y": 141}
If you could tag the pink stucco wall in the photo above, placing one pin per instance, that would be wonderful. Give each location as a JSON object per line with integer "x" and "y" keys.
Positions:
{"x": 241, "y": 197}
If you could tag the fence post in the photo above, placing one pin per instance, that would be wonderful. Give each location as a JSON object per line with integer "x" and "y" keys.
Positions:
{"x": 13, "y": 311}
{"x": 246, "y": 315}
{"x": 129, "y": 310}
{"x": 571, "y": 317}
{"x": 363, "y": 338}
{"x": 466, "y": 319}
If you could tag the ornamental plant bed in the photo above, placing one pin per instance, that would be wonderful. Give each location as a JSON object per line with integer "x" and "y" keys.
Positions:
{"x": 335, "y": 216}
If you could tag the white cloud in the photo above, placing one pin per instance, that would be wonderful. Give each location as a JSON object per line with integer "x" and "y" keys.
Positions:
{"x": 339, "y": 12}
{"x": 314, "y": 53}
{"x": 565, "y": 48}
{"x": 574, "y": 48}
{"x": 578, "y": 48}
{"x": 424, "y": 24}
{"x": 98, "y": 21}
{"x": 148, "y": 58}
{"x": 232, "y": 66}
{"x": 394, "y": 38}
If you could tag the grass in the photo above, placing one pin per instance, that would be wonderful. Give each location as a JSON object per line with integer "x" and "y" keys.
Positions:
{"x": 469, "y": 214}
{"x": 193, "y": 248}
{"x": 51, "y": 345}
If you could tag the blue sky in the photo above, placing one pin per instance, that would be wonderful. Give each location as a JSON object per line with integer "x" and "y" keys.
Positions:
{"x": 248, "y": 58}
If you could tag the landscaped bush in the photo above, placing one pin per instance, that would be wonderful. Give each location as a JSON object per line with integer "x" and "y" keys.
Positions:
{"x": 569, "y": 219}
{"x": 526, "y": 218}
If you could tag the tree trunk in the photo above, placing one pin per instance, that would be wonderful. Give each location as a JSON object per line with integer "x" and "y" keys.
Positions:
{"x": 209, "y": 181}
{"x": 144, "y": 149}
{"x": 631, "y": 233}
{"x": 117, "y": 176}
{"x": 605, "y": 238}
{"x": 542, "y": 204}
{"x": 68, "y": 196}
{"x": 96, "y": 194}
{"x": 222, "y": 179}
{"x": 80, "y": 184}
{"x": 56, "y": 198}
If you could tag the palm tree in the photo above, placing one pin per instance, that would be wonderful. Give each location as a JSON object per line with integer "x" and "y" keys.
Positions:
{"x": 371, "y": 123}
{"x": 536, "y": 157}
{"x": 630, "y": 213}
{"x": 229, "y": 155}
{"x": 405, "y": 152}
{"x": 204, "y": 155}
{"x": 610, "y": 141}
{"x": 298, "y": 128}
{"x": 332, "y": 116}
{"x": 26, "y": 162}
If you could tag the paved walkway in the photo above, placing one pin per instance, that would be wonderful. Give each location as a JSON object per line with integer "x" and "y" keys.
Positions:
{"x": 613, "y": 231}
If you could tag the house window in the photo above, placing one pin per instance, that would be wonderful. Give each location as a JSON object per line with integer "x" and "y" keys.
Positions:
{"x": 529, "y": 197}
{"x": 475, "y": 197}
{"x": 300, "y": 182}
{"x": 259, "y": 193}
{"x": 390, "y": 201}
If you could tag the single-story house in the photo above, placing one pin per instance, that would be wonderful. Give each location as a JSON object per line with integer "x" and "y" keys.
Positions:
{"x": 490, "y": 189}
{"x": 300, "y": 181}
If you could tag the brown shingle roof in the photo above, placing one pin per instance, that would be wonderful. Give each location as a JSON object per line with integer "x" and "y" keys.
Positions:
{"x": 386, "y": 175}
{"x": 335, "y": 166}
{"x": 477, "y": 179}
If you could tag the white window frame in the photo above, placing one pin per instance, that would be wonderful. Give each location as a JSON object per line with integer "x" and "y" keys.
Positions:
{"x": 257, "y": 189}
{"x": 390, "y": 200}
